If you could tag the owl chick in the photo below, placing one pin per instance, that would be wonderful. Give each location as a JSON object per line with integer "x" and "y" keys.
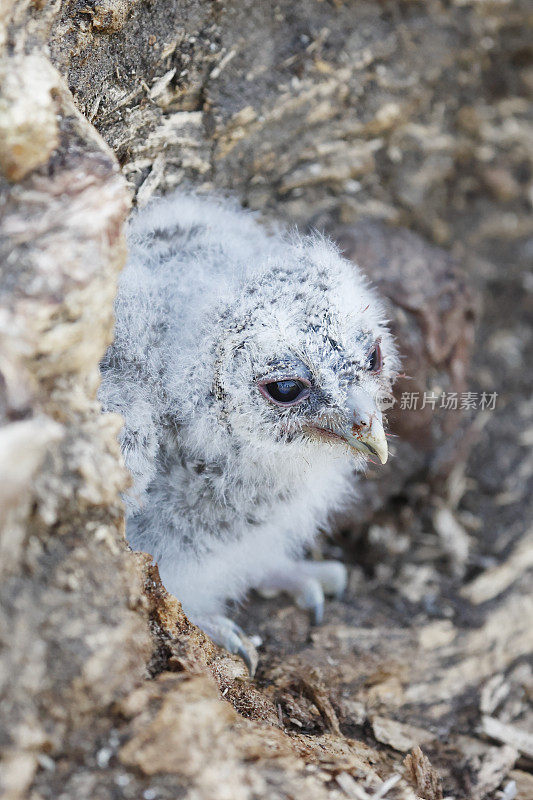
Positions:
{"x": 248, "y": 367}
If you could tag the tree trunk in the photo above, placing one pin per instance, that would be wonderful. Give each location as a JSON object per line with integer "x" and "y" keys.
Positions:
{"x": 362, "y": 119}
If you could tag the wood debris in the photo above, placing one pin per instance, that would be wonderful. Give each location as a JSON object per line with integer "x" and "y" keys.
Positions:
{"x": 524, "y": 783}
{"x": 398, "y": 735}
{"x": 512, "y": 735}
{"x": 495, "y": 581}
{"x": 488, "y": 768}
{"x": 418, "y": 770}
{"x": 315, "y": 116}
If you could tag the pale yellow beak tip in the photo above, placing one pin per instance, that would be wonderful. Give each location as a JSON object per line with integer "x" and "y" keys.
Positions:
{"x": 376, "y": 442}
{"x": 383, "y": 454}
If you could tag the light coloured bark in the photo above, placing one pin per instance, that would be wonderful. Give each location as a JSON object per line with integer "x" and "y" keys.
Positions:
{"x": 323, "y": 114}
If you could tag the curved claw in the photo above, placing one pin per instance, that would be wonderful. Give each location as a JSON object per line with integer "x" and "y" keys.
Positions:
{"x": 226, "y": 633}
{"x": 311, "y": 597}
{"x": 249, "y": 656}
{"x": 308, "y": 582}
{"x": 317, "y": 613}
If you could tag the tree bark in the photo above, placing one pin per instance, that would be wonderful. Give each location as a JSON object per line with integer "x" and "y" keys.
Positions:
{"x": 362, "y": 119}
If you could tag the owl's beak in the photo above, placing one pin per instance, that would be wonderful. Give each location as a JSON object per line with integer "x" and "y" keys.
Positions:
{"x": 364, "y": 430}
{"x": 360, "y": 427}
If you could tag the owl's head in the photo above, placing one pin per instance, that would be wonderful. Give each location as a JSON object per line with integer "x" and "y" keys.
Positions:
{"x": 305, "y": 359}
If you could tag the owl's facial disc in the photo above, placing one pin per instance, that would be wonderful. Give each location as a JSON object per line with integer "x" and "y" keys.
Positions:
{"x": 351, "y": 418}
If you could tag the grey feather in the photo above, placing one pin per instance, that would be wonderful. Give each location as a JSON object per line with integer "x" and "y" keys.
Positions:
{"x": 227, "y": 486}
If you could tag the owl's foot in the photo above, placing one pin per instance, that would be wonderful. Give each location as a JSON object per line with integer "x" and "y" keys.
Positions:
{"x": 308, "y": 582}
{"x": 223, "y": 631}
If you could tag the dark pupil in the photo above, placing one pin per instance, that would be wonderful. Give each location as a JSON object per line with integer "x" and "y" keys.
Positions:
{"x": 284, "y": 391}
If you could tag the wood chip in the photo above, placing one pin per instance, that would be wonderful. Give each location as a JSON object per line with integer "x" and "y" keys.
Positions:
{"x": 421, "y": 774}
{"x": 150, "y": 184}
{"x": 315, "y": 690}
{"x": 491, "y": 770}
{"x": 388, "y": 784}
{"x": 454, "y": 538}
{"x": 161, "y": 84}
{"x": 508, "y": 734}
{"x": 493, "y": 693}
{"x": 223, "y": 63}
{"x": 437, "y": 634}
{"x": 495, "y": 581}
{"x": 398, "y": 735}
{"x": 524, "y": 783}
{"x": 350, "y": 787}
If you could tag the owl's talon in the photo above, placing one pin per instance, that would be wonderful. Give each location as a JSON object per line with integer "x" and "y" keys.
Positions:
{"x": 311, "y": 598}
{"x": 226, "y": 633}
{"x": 308, "y": 582}
{"x": 332, "y": 576}
{"x": 317, "y": 613}
{"x": 249, "y": 656}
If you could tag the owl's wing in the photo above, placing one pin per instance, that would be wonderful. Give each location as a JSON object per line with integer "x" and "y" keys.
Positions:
{"x": 123, "y": 391}
{"x": 186, "y": 254}
{"x": 129, "y": 372}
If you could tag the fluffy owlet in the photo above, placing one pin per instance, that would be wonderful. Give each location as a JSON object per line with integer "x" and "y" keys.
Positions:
{"x": 248, "y": 367}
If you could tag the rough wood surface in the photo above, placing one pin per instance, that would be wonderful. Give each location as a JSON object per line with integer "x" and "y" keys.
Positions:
{"x": 363, "y": 119}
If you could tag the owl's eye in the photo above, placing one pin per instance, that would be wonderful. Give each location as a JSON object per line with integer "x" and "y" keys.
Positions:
{"x": 374, "y": 361}
{"x": 285, "y": 393}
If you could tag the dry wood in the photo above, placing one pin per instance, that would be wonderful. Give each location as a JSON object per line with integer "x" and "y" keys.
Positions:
{"x": 364, "y": 122}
